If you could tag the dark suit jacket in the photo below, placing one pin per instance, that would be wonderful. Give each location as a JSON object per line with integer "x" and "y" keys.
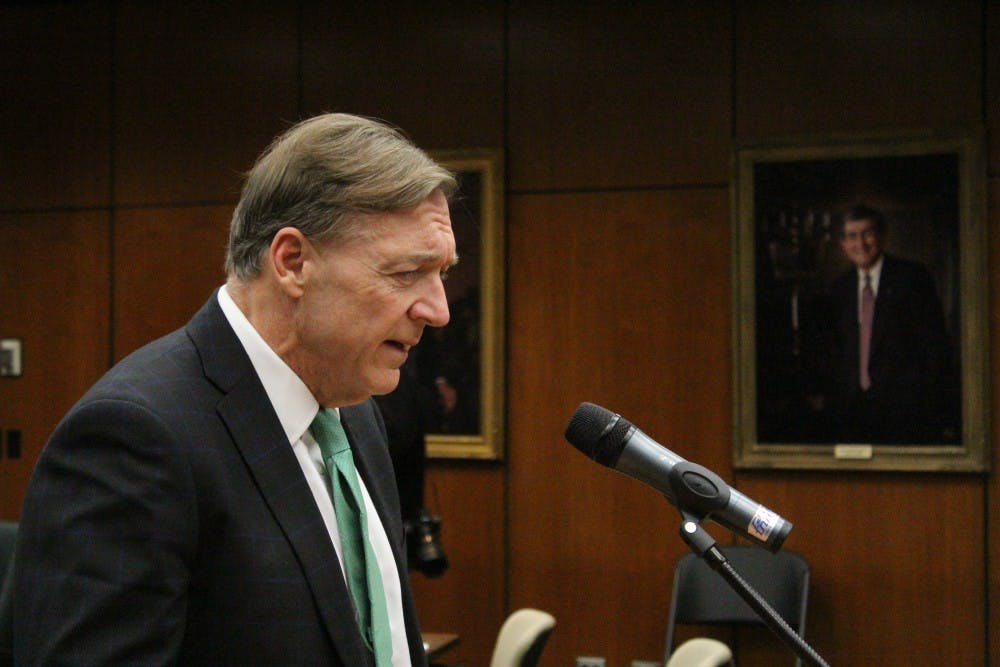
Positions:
{"x": 168, "y": 521}
{"x": 909, "y": 360}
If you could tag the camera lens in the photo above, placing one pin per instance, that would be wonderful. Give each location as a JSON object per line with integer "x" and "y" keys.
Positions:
{"x": 424, "y": 545}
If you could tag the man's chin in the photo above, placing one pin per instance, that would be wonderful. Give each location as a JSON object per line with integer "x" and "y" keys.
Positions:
{"x": 386, "y": 383}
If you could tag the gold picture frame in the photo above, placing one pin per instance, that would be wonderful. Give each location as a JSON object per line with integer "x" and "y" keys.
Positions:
{"x": 791, "y": 311}
{"x": 467, "y": 420}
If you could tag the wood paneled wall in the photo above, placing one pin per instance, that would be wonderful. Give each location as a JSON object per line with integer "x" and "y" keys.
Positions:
{"x": 123, "y": 133}
{"x": 54, "y": 296}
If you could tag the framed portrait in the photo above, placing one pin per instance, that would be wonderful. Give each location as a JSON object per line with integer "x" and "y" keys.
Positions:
{"x": 459, "y": 368}
{"x": 860, "y": 290}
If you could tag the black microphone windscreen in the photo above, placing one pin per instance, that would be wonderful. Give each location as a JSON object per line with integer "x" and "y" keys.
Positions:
{"x": 599, "y": 433}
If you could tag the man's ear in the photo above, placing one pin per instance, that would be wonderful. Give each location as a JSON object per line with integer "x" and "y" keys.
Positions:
{"x": 288, "y": 254}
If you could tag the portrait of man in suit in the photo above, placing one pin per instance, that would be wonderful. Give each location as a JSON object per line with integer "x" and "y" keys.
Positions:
{"x": 892, "y": 356}
{"x": 858, "y": 315}
{"x": 225, "y": 494}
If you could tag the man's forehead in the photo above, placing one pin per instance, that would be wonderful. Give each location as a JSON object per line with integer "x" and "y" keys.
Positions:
{"x": 859, "y": 221}
{"x": 858, "y": 225}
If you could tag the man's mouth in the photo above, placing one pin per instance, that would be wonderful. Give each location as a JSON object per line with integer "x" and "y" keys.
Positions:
{"x": 399, "y": 345}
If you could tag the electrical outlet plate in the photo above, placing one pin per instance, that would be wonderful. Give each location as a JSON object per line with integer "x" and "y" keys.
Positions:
{"x": 10, "y": 357}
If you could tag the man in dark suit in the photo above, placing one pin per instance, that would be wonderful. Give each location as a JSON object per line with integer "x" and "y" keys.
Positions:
{"x": 888, "y": 312}
{"x": 180, "y": 512}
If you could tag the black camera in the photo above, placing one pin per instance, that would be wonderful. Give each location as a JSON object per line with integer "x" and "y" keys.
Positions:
{"x": 423, "y": 544}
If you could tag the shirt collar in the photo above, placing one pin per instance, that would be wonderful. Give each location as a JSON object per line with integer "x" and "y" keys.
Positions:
{"x": 294, "y": 404}
{"x": 874, "y": 273}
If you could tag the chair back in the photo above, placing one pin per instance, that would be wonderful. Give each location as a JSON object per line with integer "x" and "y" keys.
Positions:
{"x": 521, "y": 638}
{"x": 701, "y": 652}
{"x": 702, "y": 596}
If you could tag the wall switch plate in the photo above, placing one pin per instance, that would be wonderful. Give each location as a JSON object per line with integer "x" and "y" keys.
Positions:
{"x": 590, "y": 661}
{"x": 10, "y": 357}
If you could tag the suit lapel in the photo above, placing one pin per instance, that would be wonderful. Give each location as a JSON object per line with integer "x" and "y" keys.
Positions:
{"x": 262, "y": 444}
{"x": 886, "y": 294}
{"x": 849, "y": 320}
{"x": 375, "y": 467}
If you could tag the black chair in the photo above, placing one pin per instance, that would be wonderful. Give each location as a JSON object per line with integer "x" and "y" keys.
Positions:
{"x": 702, "y": 597}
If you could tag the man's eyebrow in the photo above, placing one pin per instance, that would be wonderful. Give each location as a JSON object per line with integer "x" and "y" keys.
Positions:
{"x": 423, "y": 258}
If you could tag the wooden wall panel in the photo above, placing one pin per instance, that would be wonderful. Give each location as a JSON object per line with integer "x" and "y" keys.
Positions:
{"x": 611, "y": 95}
{"x": 897, "y": 563}
{"x": 200, "y": 90}
{"x": 469, "y": 598}
{"x": 167, "y": 263}
{"x": 621, "y": 299}
{"x": 818, "y": 67}
{"x": 436, "y": 74}
{"x": 54, "y": 297}
{"x": 55, "y": 118}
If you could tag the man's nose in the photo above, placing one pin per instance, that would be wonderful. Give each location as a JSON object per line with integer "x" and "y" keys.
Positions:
{"x": 432, "y": 305}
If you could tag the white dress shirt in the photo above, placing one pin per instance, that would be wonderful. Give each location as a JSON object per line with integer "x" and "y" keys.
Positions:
{"x": 296, "y": 408}
{"x": 874, "y": 274}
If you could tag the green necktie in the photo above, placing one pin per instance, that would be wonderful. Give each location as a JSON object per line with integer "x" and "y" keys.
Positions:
{"x": 363, "y": 577}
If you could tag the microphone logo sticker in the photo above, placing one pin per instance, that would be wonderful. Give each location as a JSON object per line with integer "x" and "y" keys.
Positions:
{"x": 762, "y": 523}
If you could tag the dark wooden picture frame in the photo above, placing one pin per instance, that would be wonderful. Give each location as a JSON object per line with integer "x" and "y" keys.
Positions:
{"x": 796, "y": 295}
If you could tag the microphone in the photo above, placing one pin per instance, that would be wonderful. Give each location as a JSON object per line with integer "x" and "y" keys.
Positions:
{"x": 613, "y": 441}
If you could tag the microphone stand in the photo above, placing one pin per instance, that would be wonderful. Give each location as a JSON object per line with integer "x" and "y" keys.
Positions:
{"x": 702, "y": 544}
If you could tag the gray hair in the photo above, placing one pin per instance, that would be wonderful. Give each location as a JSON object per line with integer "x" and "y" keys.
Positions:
{"x": 320, "y": 176}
